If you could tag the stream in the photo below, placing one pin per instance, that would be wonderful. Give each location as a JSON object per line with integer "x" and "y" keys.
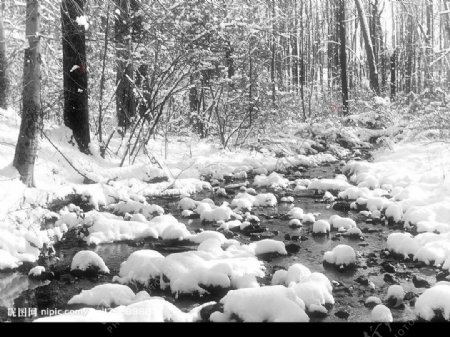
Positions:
{"x": 351, "y": 287}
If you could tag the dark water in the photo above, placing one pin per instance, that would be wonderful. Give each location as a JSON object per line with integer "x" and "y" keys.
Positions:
{"x": 17, "y": 290}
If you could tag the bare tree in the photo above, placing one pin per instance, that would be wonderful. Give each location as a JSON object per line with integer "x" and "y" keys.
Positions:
{"x": 3, "y": 65}
{"x": 32, "y": 120}
{"x": 343, "y": 56}
{"x": 76, "y": 113}
{"x": 125, "y": 101}
{"x": 369, "y": 48}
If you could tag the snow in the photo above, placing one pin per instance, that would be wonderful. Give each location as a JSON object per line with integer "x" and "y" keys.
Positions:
{"x": 82, "y": 21}
{"x": 296, "y": 213}
{"x": 187, "y": 204}
{"x": 373, "y": 300}
{"x": 268, "y": 246}
{"x": 222, "y": 213}
{"x": 105, "y": 295}
{"x": 7, "y": 261}
{"x": 414, "y": 176}
{"x": 36, "y": 271}
{"x": 341, "y": 255}
{"x": 321, "y": 227}
{"x": 309, "y": 218}
{"x": 328, "y": 185}
{"x": 148, "y": 309}
{"x": 265, "y": 304}
{"x": 86, "y": 259}
{"x": 435, "y": 299}
{"x": 106, "y": 228}
{"x": 295, "y": 223}
{"x": 135, "y": 207}
{"x": 247, "y": 201}
{"x": 394, "y": 212}
{"x": 314, "y": 294}
{"x": 140, "y": 267}
{"x": 273, "y": 180}
{"x": 381, "y": 314}
{"x": 338, "y": 222}
{"x": 314, "y": 289}
{"x": 354, "y": 232}
{"x": 397, "y": 293}
{"x": 288, "y": 200}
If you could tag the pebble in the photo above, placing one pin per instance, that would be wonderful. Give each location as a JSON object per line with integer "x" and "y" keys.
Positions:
{"x": 390, "y": 279}
{"x": 420, "y": 282}
{"x": 342, "y": 314}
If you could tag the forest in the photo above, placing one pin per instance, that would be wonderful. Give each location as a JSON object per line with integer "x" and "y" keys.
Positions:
{"x": 197, "y": 160}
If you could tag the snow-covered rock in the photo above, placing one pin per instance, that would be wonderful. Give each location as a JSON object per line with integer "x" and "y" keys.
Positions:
{"x": 395, "y": 295}
{"x": 341, "y": 255}
{"x": 338, "y": 222}
{"x": 433, "y": 301}
{"x": 265, "y": 304}
{"x": 321, "y": 227}
{"x": 273, "y": 180}
{"x": 381, "y": 314}
{"x": 87, "y": 259}
{"x": 106, "y": 295}
{"x": 141, "y": 267}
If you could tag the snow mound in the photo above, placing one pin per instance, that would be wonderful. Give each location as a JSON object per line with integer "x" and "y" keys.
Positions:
{"x": 381, "y": 314}
{"x": 135, "y": 207}
{"x": 153, "y": 309}
{"x": 373, "y": 300}
{"x": 106, "y": 295}
{"x": 296, "y": 213}
{"x": 314, "y": 294}
{"x": 87, "y": 259}
{"x": 314, "y": 289}
{"x": 341, "y": 255}
{"x": 402, "y": 243}
{"x": 222, "y": 213}
{"x": 268, "y": 246}
{"x": 328, "y": 185}
{"x": 321, "y": 227}
{"x": 266, "y": 304}
{"x": 248, "y": 201}
{"x": 141, "y": 267}
{"x": 273, "y": 180}
{"x": 196, "y": 271}
{"x": 7, "y": 261}
{"x": 433, "y": 301}
{"x": 395, "y": 293}
{"x": 338, "y": 222}
{"x": 106, "y": 228}
{"x": 187, "y": 204}
{"x": 36, "y": 271}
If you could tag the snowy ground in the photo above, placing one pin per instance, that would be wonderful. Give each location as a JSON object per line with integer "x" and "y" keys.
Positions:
{"x": 405, "y": 188}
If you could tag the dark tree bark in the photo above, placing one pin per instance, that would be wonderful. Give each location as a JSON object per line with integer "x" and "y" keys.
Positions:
{"x": 4, "y": 85}
{"x": 125, "y": 100}
{"x": 343, "y": 57}
{"x": 32, "y": 119}
{"x": 394, "y": 75}
{"x": 76, "y": 112}
{"x": 410, "y": 56}
{"x": 373, "y": 70}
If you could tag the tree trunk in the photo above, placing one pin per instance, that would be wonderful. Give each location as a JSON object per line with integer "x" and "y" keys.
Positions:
{"x": 343, "y": 57}
{"x": 3, "y": 66}
{"x": 76, "y": 112}
{"x": 32, "y": 120}
{"x": 125, "y": 100}
{"x": 393, "y": 75}
{"x": 369, "y": 48}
